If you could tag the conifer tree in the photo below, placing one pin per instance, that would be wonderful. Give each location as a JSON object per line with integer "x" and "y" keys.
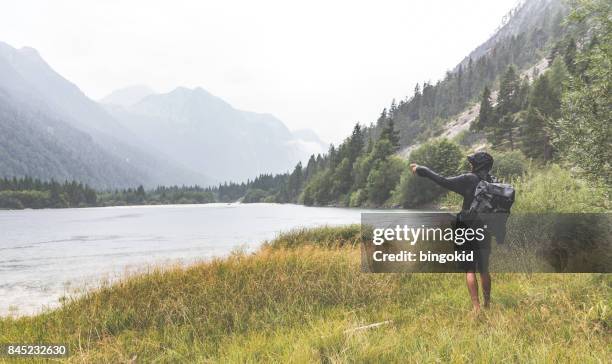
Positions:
{"x": 536, "y": 141}
{"x": 486, "y": 113}
{"x": 503, "y": 129}
{"x": 389, "y": 133}
{"x": 356, "y": 143}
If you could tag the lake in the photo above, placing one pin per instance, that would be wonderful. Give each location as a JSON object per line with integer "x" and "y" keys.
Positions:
{"x": 46, "y": 254}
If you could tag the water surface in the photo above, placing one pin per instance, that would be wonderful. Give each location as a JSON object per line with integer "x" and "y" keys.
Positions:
{"x": 45, "y": 254}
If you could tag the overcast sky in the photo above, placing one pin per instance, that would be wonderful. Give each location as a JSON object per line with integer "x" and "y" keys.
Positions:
{"x": 314, "y": 64}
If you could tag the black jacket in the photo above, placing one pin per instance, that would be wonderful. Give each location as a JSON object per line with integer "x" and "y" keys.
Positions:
{"x": 464, "y": 184}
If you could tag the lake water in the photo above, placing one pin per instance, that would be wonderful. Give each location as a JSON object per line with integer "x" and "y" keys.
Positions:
{"x": 45, "y": 254}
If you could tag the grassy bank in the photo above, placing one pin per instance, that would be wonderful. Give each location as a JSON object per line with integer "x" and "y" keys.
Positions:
{"x": 296, "y": 298}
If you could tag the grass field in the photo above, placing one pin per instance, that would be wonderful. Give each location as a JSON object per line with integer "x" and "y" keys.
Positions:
{"x": 300, "y": 299}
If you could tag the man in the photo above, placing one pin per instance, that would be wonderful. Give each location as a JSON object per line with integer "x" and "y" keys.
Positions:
{"x": 465, "y": 185}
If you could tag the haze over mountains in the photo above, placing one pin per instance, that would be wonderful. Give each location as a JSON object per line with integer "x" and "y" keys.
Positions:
{"x": 191, "y": 125}
{"x": 127, "y": 96}
{"x": 50, "y": 129}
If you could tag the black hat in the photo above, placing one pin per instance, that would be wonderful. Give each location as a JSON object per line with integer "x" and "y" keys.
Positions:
{"x": 481, "y": 161}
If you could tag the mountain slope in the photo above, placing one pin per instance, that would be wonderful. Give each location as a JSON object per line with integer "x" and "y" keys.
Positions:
{"x": 524, "y": 39}
{"x": 462, "y": 122}
{"x": 36, "y": 144}
{"x": 34, "y": 94}
{"x": 535, "y": 16}
{"x": 208, "y": 134}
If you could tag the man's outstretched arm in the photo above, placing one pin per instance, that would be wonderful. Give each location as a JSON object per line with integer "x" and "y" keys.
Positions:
{"x": 459, "y": 184}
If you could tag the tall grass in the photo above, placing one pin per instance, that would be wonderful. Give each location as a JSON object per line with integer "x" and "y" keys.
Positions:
{"x": 323, "y": 237}
{"x": 294, "y": 302}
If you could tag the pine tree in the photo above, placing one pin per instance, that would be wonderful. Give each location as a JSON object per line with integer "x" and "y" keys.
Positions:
{"x": 140, "y": 194}
{"x": 415, "y": 104}
{"x": 296, "y": 179}
{"x": 389, "y": 133}
{"x": 486, "y": 113}
{"x": 536, "y": 141}
{"x": 356, "y": 143}
{"x": 382, "y": 119}
{"x": 503, "y": 129}
{"x": 311, "y": 168}
{"x": 569, "y": 55}
{"x": 507, "y": 100}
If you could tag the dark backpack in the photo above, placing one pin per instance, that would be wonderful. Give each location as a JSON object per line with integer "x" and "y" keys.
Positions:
{"x": 491, "y": 197}
{"x": 491, "y": 207}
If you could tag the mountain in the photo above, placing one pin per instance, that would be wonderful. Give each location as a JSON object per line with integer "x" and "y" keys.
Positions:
{"x": 208, "y": 134}
{"x": 48, "y": 118}
{"x": 525, "y": 37}
{"x": 36, "y": 141}
{"x": 127, "y": 96}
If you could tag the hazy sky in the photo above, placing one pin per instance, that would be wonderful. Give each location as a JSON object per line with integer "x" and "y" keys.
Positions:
{"x": 314, "y": 64}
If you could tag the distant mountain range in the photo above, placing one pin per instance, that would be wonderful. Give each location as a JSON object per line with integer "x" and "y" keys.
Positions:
{"x": 208, "y": 134}
{"x": 50, "y": 129}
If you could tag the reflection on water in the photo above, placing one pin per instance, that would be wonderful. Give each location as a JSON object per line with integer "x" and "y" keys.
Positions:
{"x": 45, "y": 254}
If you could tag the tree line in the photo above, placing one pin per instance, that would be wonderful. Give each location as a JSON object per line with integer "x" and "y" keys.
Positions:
{"x": 26, "y": 192}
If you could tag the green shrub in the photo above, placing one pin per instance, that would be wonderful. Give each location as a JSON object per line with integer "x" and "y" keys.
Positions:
{"x": 357, "y": 198}
{"x": 317, "y": 191}
{"x": 467, "y": 138}
{"x": 270, "y": 199}
{"x": 508, "y": 165}
{"x": 451, "y": 201}
{"x": 24, "y": 199}
{"x": 9, "y": 202}
{"x": 255, "y": 195}
{"x": 383, "y": 178}
{"x": 555, "y": 189}
{"x": 443, "y": 157}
